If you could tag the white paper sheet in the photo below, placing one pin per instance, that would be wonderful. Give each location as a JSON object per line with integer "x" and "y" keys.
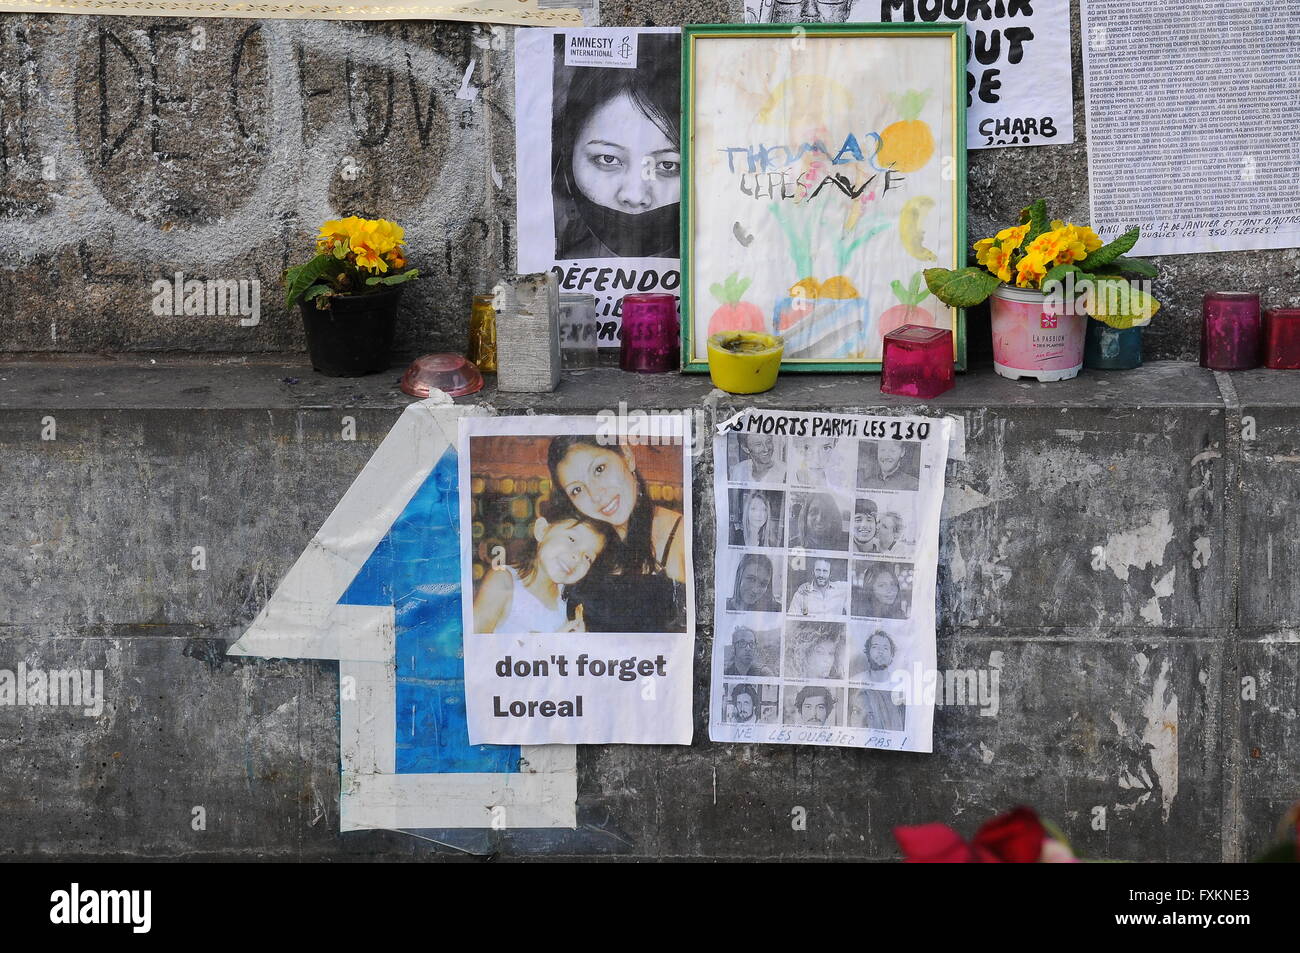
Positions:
{"x": 597, "y": 144}
{"x": 578, "y": 594}
{"x": 1192, "y": 116}
{"x": 1019, "y": 77}
{"x": 827, "y": 547}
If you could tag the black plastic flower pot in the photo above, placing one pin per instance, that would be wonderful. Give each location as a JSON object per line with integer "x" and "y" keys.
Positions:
{"x": 354, "y": 335}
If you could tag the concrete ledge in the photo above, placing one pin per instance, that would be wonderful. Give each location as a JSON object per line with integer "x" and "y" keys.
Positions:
{"x": 1122, "y": 547}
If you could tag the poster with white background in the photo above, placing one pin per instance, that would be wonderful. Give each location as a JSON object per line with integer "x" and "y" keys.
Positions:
{"x": 597, "y": 151}
{"x": 827, "y": 550}
{"x": 1018, "y": 71}
{"x": 576, "y": 579}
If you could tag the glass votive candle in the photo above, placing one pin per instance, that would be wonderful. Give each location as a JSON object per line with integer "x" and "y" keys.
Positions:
{"x": 917, "y": 362}
{"x": 650, "y": 334}
{"x": 1282, "y": 338}
{"x": 577, "y": 331}
{"x": 482, "y": 350}
{"x": 1230, "y": 331}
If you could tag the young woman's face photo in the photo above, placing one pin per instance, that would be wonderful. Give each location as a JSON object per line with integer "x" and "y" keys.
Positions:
{"x": 858, "y": 710}
{"x": 756, "y": 512}
{"x": 623, "y": 161}
{"x": 755, "y": 584}
{"x": 599, "y": 482}
{"x": 885, "y": 588}
{"x": 823, "y": 518}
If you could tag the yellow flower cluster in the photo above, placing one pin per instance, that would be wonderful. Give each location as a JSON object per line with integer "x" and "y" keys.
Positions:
{"x": 373, "y": 243}
{"x": 1063, "y": 244}
{"x": 995, "y": 253}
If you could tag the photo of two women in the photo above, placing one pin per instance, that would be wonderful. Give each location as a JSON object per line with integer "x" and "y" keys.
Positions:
{"x": 577, "y": 533}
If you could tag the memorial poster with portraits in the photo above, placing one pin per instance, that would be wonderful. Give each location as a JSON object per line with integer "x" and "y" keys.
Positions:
{"x": 597, "y": 153}
{"x": 577, "y": 589}
{"x": 827, "y": 548}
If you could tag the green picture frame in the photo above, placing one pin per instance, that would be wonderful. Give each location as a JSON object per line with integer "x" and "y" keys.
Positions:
{"x": 838, "y": 309}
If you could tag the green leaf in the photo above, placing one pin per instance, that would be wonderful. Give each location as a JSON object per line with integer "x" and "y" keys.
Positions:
{"x": 302, "y": 277}
{"x": 1135, "y": 266}
{"x": 1058, "y": 272}
{"x": 1107, "y": 254}
{"x": 719, "y": 291}
{"x": 315, "y": 291}
{"x": 1035, "y": 216}
{"x": 963, "y": 288}
{"x": 394, "y": 279}
{"x": 1117, "y": 302}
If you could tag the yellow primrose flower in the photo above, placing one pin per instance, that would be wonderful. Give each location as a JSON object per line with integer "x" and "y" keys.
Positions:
{"x": 1010, "y": 238}
{"x": 378, "y": 235}
{"x": 334, "y": 238}
{"x": 1048, "y": 245}
{"x": 1091, "y": 240}
{"x": 982, "y": 248}
{"x": 369, "y": 258}
{"x": 998, "y": 262}
{"x": 1030, "y": 271}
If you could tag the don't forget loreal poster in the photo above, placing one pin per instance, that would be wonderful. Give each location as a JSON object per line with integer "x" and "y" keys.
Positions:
{"x": 578, "y": 592}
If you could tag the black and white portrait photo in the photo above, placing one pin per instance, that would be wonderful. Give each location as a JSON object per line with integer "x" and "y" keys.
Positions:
{"x": 616, "y": 153}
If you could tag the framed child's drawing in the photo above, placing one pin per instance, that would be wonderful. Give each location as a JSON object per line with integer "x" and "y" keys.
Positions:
{"x": 825, "y": 168}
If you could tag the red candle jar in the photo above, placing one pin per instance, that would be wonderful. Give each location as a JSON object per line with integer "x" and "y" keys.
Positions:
{"x": 1282, "y": 338}
{"x": 1230, "y": 331}
{"x": 651, "y": 342}
{"x": 917, "y": 362}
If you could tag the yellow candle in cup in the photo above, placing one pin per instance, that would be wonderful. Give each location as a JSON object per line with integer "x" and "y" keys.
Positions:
{"x": 744, "y": 362}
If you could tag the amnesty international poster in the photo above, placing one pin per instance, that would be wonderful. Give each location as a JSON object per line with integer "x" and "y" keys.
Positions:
{"x": 827, "y": 546}
{"x": 598, "y": 154}
{"x": 578, "y": 598}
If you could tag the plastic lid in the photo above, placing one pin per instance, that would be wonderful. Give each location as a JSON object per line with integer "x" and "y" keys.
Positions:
{"x": 449, "y": 373}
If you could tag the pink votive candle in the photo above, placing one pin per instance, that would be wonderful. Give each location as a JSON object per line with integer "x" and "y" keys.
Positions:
{"x": 1230, "y": 331}
{"x": 651, "y": 342}
{"x": 917, "y": 362}
{"x": 1282, "y": 338}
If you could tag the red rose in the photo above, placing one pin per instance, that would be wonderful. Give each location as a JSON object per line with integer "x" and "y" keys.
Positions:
{"x": 939, "y": 844}
{"x": 1014, "y": 838}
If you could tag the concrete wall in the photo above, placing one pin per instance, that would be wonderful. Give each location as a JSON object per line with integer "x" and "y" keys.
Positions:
{"x": 1121, "y": 549}
{"x": 135, "y": 148}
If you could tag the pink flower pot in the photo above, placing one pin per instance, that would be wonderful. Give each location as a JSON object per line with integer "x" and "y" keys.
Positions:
{"x": 1034, "y": 337}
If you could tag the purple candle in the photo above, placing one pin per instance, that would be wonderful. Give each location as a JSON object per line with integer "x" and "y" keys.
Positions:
{"x": 651, "y": 344}
{"x": 1230, "y": 331}
{"x": 1282, "y": 338}
{"x": 917, "y": 362}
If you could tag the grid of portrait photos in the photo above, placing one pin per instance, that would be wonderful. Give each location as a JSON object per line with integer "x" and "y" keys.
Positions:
{"x": 816, "y": 623}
